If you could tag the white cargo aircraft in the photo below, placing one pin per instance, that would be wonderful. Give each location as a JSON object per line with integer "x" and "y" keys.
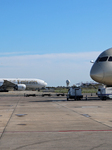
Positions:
{"x": 21, "y": 84}
{"x": 101, "y": 70}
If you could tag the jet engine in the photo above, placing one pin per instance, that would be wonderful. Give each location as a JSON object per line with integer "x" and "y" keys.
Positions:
{"x": 20, "y": 87}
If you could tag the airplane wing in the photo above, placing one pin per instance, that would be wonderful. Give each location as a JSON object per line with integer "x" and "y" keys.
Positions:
{"x": 7, "y": 84}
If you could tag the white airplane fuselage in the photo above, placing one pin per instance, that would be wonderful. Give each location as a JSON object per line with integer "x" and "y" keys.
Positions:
{"x": 22, "y": 84}
{"x": 101, "y": 70}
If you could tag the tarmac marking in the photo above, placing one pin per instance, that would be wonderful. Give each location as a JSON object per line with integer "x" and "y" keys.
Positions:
{"x": 4, "y": 130}
{"x": 58, "y": 131}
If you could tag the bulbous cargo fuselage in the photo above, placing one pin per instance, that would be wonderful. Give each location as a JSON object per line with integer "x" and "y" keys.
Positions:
{"x": 101, "y": 70}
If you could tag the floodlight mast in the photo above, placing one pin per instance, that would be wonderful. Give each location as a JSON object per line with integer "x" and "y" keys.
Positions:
{"x": 67, "y": 83}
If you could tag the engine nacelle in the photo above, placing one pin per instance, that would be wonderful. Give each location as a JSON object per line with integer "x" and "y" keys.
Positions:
{"x": 20, "y": 87}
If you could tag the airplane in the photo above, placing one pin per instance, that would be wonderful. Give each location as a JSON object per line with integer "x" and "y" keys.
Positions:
{"x": 101, "y": 70}
{"x": 21, "y": 84}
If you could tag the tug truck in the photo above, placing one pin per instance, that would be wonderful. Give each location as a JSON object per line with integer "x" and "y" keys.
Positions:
{"x": 74, "y": 93}
{"x": 105, "y": 93}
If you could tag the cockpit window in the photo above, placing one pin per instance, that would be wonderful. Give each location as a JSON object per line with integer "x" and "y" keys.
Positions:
{"x": 98, "y": 59}
{"x": 110, "y": 58}
{"x": 103, "y": 59}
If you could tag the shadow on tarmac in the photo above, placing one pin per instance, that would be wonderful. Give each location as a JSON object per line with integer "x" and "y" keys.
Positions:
{"x": 49, "y": 101}
{"x": 64, "y": 100}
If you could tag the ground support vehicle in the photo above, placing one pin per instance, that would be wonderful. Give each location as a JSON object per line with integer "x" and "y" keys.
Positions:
{"x": 74, "y": 93}
{"x": 105, "y": 93}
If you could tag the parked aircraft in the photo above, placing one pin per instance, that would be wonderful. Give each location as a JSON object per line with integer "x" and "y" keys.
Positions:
{"x": 101, "y": 70}
{"x": 21, "y": 84}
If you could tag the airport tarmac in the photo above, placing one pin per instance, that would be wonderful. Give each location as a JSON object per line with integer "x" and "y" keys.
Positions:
{"x": 52, "y": 123}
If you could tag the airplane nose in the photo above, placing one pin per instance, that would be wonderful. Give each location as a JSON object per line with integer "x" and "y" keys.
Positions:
{"x": 96, "y": 72}
{"x": 45, "y": 84}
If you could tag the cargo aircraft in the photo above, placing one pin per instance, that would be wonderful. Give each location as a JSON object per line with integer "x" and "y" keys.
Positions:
{"x": 21, "y": 84}
{"x": 101, "y": 70}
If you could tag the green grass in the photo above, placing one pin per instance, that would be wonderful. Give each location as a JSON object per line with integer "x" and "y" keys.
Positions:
{"x": 89, "y": 89}
{"x": 84, "y": 90}
{"x": 61, "y": 91}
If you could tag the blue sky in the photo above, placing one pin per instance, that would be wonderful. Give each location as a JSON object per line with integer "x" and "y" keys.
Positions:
{"x": 35, "y": 31}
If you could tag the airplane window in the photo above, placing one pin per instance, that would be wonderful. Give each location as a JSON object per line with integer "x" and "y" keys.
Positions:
{"x": 103, "y": 58}
{"x": 110, "y": 58}
{"x": 98, "y": 59}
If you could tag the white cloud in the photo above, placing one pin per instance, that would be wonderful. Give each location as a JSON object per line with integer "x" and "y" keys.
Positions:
{"x": 53, "y": 68}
